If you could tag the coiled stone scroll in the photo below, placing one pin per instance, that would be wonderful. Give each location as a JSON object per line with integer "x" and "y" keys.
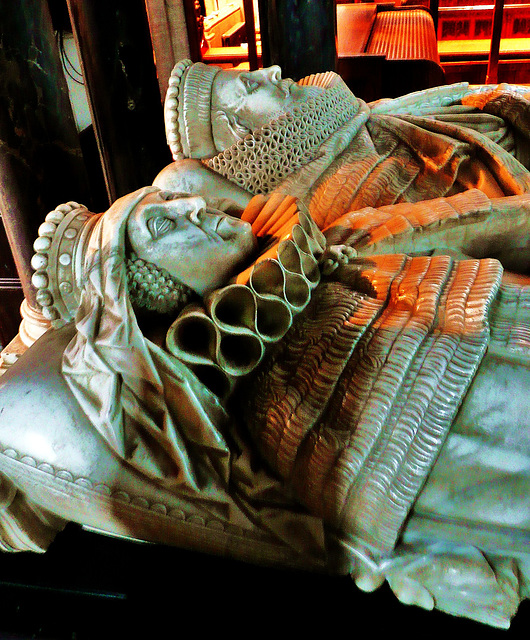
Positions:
{"x": 227, "y": 337}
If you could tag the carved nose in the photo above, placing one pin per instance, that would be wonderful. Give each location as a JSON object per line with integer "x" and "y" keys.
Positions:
{"x": 272, "y": 74}
{"x": 196, "y": 206}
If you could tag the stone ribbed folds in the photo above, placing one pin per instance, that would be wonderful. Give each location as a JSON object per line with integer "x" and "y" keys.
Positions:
{"x": 354, "y": 410}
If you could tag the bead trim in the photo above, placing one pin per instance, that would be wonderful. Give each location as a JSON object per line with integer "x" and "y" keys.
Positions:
{"x": 127, "y": 498}
{"x": 57, "y": 260}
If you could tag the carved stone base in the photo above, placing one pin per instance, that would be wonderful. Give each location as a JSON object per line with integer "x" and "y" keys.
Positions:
{"x": 33, "y": 324}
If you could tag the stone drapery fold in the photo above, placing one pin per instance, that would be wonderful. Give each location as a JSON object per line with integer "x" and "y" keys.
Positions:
{"x": 423, "y": 146}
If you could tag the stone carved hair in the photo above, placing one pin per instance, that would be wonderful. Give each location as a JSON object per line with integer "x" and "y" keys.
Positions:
{"x": 153, "y": 288}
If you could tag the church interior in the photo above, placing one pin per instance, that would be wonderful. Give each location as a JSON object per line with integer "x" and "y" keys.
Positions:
{"x": 82, "y": 86}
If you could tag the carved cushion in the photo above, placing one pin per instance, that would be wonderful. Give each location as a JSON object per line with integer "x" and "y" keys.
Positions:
{"x": 53, "y": 460}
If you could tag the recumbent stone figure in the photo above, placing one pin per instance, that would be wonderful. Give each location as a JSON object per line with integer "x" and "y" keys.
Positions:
{"x": 335, "y": 376}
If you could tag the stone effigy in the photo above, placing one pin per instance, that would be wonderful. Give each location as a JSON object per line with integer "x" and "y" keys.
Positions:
{"x": 315, "y": 140}
{"x": 336, "y": 377}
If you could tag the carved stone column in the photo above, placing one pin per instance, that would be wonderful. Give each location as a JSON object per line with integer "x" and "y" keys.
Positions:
{"x": 299, "y": 35}
{"x": 41, "y": 163}
{"x": 492, "y": 73}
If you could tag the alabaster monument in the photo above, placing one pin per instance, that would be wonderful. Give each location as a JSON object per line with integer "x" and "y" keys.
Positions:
{"x": 307, "y": 344}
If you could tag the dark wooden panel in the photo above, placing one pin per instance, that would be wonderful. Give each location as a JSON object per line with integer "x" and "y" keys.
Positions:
{"x": 11, "y": 296}
{"x": 474, "y": 72}
{"x": 354, "y": 25}
{"x": 299, "y": 35}
{"x": 7, "y": 264}
{"x": 386, "y": 51}
{"x": 117, "y": 58}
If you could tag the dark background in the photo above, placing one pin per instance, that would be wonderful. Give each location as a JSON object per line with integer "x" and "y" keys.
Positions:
{"x": 94, "y": 587}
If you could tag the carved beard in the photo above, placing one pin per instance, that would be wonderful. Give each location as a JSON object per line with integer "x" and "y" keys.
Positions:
{"x": 262, "y": 160}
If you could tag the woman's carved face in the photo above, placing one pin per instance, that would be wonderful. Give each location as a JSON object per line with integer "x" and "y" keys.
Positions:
{"x": 200, "y": 247}
{"x": 243, "y": 101}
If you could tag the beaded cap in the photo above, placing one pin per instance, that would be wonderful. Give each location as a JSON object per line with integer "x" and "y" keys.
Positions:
{"x": 58, "y": 260}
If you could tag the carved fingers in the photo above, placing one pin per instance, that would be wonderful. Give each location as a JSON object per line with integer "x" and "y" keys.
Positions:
{"x": 336, "y": 256}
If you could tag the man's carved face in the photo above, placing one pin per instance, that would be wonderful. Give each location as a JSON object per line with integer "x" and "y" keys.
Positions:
{"x": 243, "y": 101}
{"x": 198, "y": 246}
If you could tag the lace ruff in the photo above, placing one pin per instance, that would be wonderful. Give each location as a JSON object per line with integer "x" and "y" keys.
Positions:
{"x": 262, "y": 160}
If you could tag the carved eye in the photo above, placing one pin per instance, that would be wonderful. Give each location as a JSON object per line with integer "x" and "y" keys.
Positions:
{"x": 159, "y": 226}
{"x": 250, "y": 85}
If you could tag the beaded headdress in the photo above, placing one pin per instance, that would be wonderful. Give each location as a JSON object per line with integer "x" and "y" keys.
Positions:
{"x": 58, "y": 260}
{"x": 63, "y": 259}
